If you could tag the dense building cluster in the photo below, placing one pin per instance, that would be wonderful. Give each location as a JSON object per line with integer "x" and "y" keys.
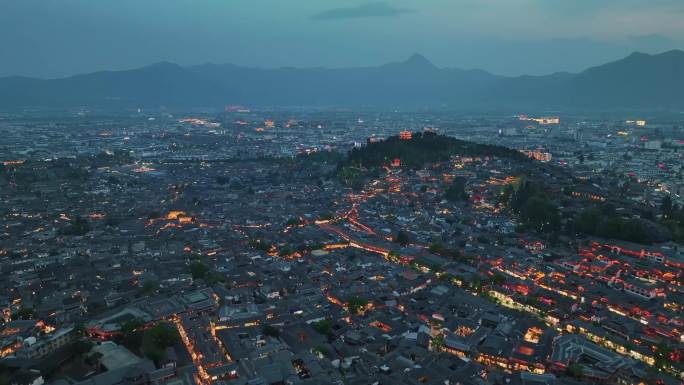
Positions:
{"x": 247, "y": 248}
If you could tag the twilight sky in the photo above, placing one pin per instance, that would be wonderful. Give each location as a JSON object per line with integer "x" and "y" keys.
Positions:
{"x": 54, "y": 38}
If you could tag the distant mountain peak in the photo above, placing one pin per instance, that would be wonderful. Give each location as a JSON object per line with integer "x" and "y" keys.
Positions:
{"x": 417, "y": 61}
{"x": 641, "y": 59}
{"x": 163, "y": 65}
{"x": 673, "y": 53}
{"x": 636, "y": 54}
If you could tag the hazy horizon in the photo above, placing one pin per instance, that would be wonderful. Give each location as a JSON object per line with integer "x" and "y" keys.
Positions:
{"x": 51, "y": 39}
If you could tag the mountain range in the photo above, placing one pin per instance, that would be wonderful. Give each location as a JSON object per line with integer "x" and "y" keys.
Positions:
{"x": 638, "y": 81}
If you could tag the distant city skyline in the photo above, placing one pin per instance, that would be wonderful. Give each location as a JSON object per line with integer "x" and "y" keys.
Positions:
{"x": 508, "y": 37}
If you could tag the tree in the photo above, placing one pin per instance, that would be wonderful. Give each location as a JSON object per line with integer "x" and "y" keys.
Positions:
{"x": 475, "y": 284}
{"x": 270, "y": 331}
{"x": 78, "y": 227}
{"x": 23, "y": 314}
{"x": 597, "y": 222}
{"x": 541, "y": 214}
{"x": 437, "y": 248}
{"x": 148, "y": 287}
{"x": 574, "y": 370}
{"x": 260, "y": 245}
{"x": 524, "y": 191}
{"x": 320, "y": 351}
{"x": 323, "y": 326}
{"x": 456, "y": 191}
{"x": 587, "y": 219}
{"x": 663, "y": 355}
{"x": 5, "y": 373}
{"x": 131, "y": 326}
{"x": 285, "y": 251}
{"x": 198, "y": 270}
{"x": 498, "y": 279}
{"x": 505, "y": 194}
{"x": 531, "y": 301}
{"x": 79, "y": 329}
{"x": 156, "y": 339}
{"x": 437, "y": 342}
{"x": 666, "y": 207}
{"x": 131, "y": 334}
{"x": 402, "y": 238}
{"x": 356, "y": 304}
{"x": 214, "y": 277}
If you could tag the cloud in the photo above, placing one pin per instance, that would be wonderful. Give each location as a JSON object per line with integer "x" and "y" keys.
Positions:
{"x": 374, "y": 9}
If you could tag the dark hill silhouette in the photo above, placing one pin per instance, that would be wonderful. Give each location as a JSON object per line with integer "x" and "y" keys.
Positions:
{"x": 637, "y": 81}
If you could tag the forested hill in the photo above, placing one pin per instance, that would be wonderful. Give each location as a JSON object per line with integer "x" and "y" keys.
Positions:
{"x": 422, "y": 148}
